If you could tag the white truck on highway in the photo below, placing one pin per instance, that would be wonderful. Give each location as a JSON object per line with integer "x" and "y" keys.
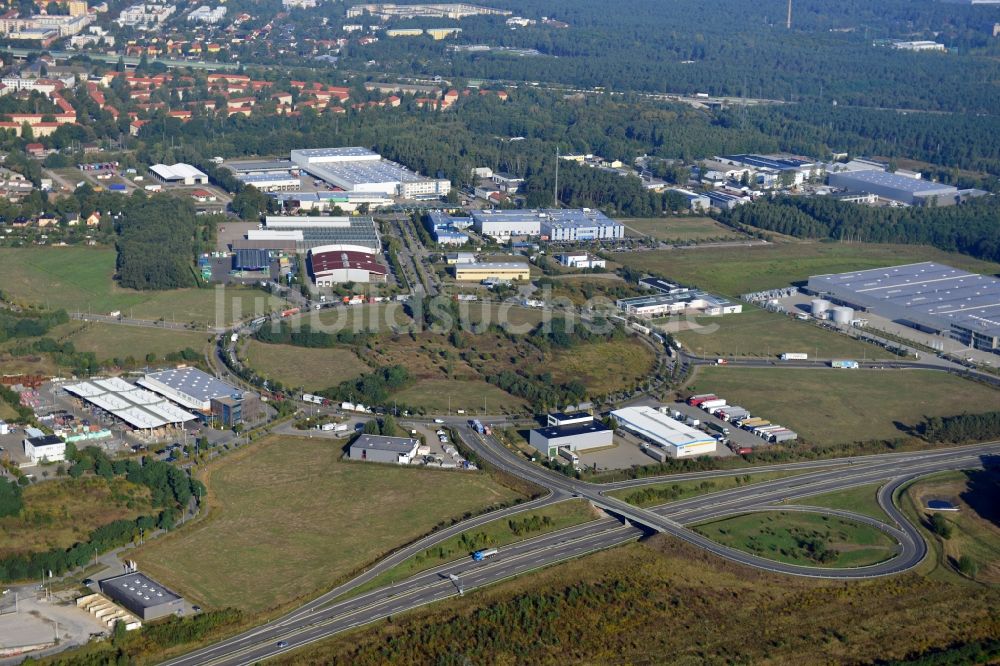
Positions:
{"x": 794, "y": 356}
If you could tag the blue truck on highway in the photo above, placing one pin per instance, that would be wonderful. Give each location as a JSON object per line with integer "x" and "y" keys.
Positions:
{"x": 484, "y": 554}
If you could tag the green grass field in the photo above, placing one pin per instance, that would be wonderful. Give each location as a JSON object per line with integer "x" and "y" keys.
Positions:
{"x": 287, "y": 519}
{"x": 835, "y": 406}
{"x": 495, "y": 534}
{"x": 436, "y": 395}
{"x": 862, "y": 499}
{"x": 69, "y": 509}
{"x": 604, "y": 366}
{"x": 756, "y": 332}
{"x": 800, "y": 538}
{"x": 662, "y": 493}
{"x": 679, "y": 229}
{"x": 975, "y": 527}
{"x": 734, "y": 271}
{"x": 80, "y": 279}
{"x": 111, "y": 341}
{"x": 310, "y": 369}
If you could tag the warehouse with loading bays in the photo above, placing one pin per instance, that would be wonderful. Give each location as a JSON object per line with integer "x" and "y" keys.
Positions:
{"x": 576, "y": 432}
{"x": 675, "y": 438}
{"x": 378, "y": 448}
{"x": 356, "y": 169}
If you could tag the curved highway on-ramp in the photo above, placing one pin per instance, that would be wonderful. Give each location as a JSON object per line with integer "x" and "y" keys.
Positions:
{"x": 326, "y": 615}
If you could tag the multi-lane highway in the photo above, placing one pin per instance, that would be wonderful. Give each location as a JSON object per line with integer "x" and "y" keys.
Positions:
{"x": 326, "y": 615}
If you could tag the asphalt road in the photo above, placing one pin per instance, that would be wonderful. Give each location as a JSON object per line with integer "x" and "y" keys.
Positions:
{"x": 325, "y": 617}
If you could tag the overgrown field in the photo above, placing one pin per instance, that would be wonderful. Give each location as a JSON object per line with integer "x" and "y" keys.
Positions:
{"x": 737, "y": 270}
{"x": 311, "y": 369}
{"x": 612, "y": 607}
{"x": 59, "y": 513}
{"x": 80, "y": 279}
{"x": 680, "y": 229}
{"x": 830, "y": 406}
{"x": 287, "y": 518}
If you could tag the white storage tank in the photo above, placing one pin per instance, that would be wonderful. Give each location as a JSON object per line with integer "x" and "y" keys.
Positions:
{"x": 819, "y": 307}
{"x": 843, "y": 315}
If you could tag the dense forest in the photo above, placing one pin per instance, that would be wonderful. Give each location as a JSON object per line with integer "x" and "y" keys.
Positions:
{"x": 962, "y": 428}
{"x": 970, "y": 228}
{"x": 156, "y": 243}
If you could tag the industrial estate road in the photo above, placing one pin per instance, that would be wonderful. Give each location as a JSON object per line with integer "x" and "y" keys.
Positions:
{"x": 324, "y": 617}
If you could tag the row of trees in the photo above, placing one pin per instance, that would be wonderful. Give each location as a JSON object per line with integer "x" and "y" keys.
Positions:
{"x": 29, "y": 324}
{"x": 970, "y": 228}
{"x": 961, "y": 428}
{"x": 373, "y": 388}
{"x": 305, "y": 336}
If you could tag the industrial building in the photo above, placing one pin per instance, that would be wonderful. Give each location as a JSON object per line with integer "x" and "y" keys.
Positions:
{"x": 928, "y": 296}
{"x": 271, "y": 182}
{"x": 580, "y": 260}
{"x": 377, "y": 448}
{"x": 336, "y": 264}
{"x": 355, "y": 169}
{"x": 180, "y": 174}
{"x": 138, "y": 408}
{"x": 46, "y": 448}
{"x": 324, "y": 202}
{"x": 445, "y": 230}
{"x": 453, "y": 258}
{"x": 576, "y": 432}
{"x": 677, "y": 301}
{"x": 142, "y": 595}
{"x": 894, "y": 187}
{"x": 301, "y": 233}
{"x": 556, "y": 224}
{"x": 697, "y": 201}
{"x": 189, "y": 387}
{"x": 676, "y": 438}
{"x": 479, "y": 271}
{"x": 726, "y": 201}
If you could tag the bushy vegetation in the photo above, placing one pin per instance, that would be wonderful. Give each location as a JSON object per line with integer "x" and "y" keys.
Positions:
{"x": 171, "y": 490}
{"x": 156, "y": 243}
{"x": 11, "y": 502}
{"x": 969, "y": 228}
{"x": 372, "y": 388}
{"x": 29, "y": 324}
{"x": 961, "y": 428}
{"x": 287, "y": 334}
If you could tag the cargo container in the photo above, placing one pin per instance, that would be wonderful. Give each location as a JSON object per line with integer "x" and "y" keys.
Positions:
{"x": 733, "y": 413}
{"x": 696, "y": 400}
{"x": 656, "y": 453}
{"x": 794, "y": 356}
{"x": 847, "y": 365}
{"x": 709, "y": 405}
{"x": 750, "y": 424}
{"x": 784, "y": 436}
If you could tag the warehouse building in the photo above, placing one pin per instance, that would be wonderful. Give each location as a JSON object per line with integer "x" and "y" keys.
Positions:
{"x": 576, "y": 432}
{"x": 142, "y": 595}
{"x": 377, "y": 448}
{"x": 271, "y": 182}
{"x": 301, "y": 233}
{"x": 678, "y": 301}
{"x": 138, "y": 408}
{"x": 46, "y": 448}
{"x": 179, "y": 174}
{"x": 479, "y": 271}
{"x": 697, "y": 201}
{"x": 894, "y": 187}
{"x": 355, "y": 169}
{"x": 444, "y": 230}
{"x": 557, "y": 224}
{"x": 330, "y": 265}
{"x": 188, "y": 387}
{"x": 326, "y": 202}
{"x": 580, "y": 260}
{"x": 928, "y": 296}
{"x": 676, "y": 438}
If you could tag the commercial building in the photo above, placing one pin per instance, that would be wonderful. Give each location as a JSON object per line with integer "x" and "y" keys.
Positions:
{"x": 576, "y": 432}
{"x": 377, "y": 448}
{"x": 928, "y": 296}
{"x": 142, "y": 595}
{"x": 918, "y": 45}
{"x": 580, "y": 260}
{"x": 676, "y": 438}
{"x": 324, "y": 202}
{"x": 454, "y": 11}
{"x": 237, "y": 408}
{"x": 206, "y": 14}
{"x": 697, "y": 201}
{"x": 894, "y": 187}
{"x": 444, "y": 229}
{"x": 145, "y": 16}
{"x": 180, "y": 173}
{"x": 301, "y": 233}
{"x": 453, "y": 258}
{"x": 330, "y": 265}
{"x": 480, "y": 271}
{"x": 188, "y": 387}
{"x": 556, "y": 224}
{"x": 271, "y": 182}
{"x": 46, "y": 448}
{"x": 676, "y": 301}
{"x": 355, "y": 169}
{"x": 726, "y": 201}
{"x": 138, "y": 408}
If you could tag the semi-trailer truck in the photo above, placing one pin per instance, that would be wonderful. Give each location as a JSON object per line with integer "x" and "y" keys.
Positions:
{"x": 847, "y": 365}
{"x": 484, "y": 554}
{"x": 794, "y": 356}
{"x": 721, "y": 429}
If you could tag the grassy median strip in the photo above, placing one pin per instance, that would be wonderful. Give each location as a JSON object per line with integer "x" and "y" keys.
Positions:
{"x": 806, "y": 539}
{"x": 862, "y": 499}
{"x": 502, "y": 532}
{"x": 662, "y": 493}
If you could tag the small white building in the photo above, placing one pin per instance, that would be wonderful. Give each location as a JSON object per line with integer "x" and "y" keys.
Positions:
{"x": 580, "y": 260}
{"x": 47, "y": 448}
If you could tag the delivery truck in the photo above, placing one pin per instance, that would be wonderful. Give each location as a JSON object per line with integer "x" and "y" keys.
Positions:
{"x": 484, "y": 554}
{"x": 794, "y": 356}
